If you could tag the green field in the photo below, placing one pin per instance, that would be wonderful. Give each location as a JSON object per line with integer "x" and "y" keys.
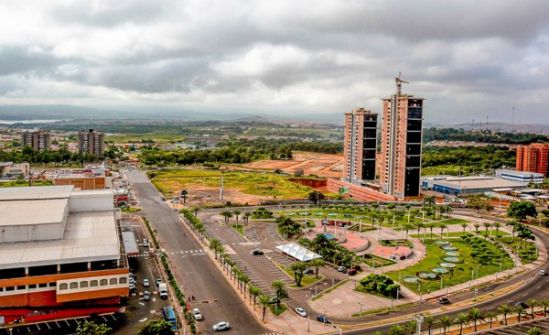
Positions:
{"x": 462, "y": 272}
{"x": 254, "y": 183}
{"x": 376, "y": 261}
{"x": 24, "y": 183}
{"x": 138, "y": 138}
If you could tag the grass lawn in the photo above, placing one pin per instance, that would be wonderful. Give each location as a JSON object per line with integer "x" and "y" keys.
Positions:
{"x": 305, "y": 281}
{"x": 376, "y": 261}
{"x": 396, "y": 243}
{"x": 130, "y": 209}
{"x": 24, "y": 183}
{"x": 527, "y": 251}
{"x": 462, "y": 271}
{"x": 436, "y": 234}
{"x": 277, "y": 311}
{"x": 239, "y": 229}
{"x": 253, "y": 183}
{"x": 454, "y": 221}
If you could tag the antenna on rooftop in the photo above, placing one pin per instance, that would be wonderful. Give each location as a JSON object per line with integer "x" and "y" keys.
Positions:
{"x": 399, "y": 83}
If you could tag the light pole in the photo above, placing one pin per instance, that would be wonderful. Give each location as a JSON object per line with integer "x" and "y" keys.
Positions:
{"x": 360, "y": 304}
{"x": 419, "y": 319}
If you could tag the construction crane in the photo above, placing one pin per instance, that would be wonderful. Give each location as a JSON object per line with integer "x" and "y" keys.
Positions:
{"x": 399, "y": 83}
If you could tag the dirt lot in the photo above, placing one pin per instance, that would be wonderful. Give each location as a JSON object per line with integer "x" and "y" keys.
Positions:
{"x": 312, "y": 163}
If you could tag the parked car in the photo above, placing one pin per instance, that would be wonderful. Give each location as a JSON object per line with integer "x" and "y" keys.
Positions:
{"x": 132, "y": 287}
{"x": 301, "y": 312}
{"x": 443, "y": 301}
{"x": 145, "y": 243}
{"x": 257, "y": 252}
{"x": 158, "y": 281}
{"x": 322, "y": 318}
{"x": 220, "y": 326}
{"x": 352, "y": 272}
{"x": 522, "y": 304}
{"x": 542, "y": 272}
{"x": 309, "y": 271}
{"x": 146, "y": 296}
{"x": 196, "y": 314}
{"x": 146, "y": 282}
{"x": 341, "y": 268}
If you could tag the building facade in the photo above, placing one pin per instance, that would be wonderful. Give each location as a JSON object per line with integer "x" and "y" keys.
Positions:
{"x": 38, "y": 140}
{"x": 60, "y": 252}
{"x": 401, "y": 149}
{"x": 360, "y": 146}
{"x": 520, "y": 176}
{"x": 91, "y": 142}
{"x": 533, "y": 158}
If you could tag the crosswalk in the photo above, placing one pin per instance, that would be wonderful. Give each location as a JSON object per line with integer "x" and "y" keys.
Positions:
{"x": 189, "y": 252}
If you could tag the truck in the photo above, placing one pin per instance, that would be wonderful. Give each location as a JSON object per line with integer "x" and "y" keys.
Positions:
{"x": 163, "y": 290}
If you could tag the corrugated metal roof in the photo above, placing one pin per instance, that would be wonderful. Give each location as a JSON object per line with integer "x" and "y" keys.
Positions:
{"x": 89, "y": 236}
{"x": 35, "y": 193}
{"x": 130, "y": 242}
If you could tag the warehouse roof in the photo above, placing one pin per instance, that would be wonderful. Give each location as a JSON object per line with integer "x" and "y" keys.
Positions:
{"x": 477, "y": 182}
{"x": 89, "y": 236}
{"x": 31, "y": 212}
{"x": 130, "y": 243}
{"x": 35, "y": 193}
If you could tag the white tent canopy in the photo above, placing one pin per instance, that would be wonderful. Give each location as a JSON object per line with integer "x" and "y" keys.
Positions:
{"x": 298, "y": 252}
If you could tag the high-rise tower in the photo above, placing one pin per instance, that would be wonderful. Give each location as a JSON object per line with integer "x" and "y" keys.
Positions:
{"x": 91, "y": 142}
{"x": 360, "y": 145}
{"x": 401, "y": 137}
{"x": 38, "y": 140}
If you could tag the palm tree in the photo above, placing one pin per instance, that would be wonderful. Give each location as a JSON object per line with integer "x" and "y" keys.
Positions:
{"x": 281, "y": 293}
{"x": 545, "y": 304}
{"x": 460, "y": 320}
{"x": 396, "y": 330}
{"x": 264, "y": 301}
{"x": 196, "y": 209}
{"x": 410, "y": 327}
{"x": 298, "y": 268}
{"x": 419, "y": 225}
{"x": 317, "y": 263}
{"x": 225, "y": 215}
{"x": 429, "y": 322}
{"x": 464, "y": 226}
{"x": 505, "y": 310}
{"x": 442, "y": 226}
{"x": 254, "y": 292}
{"x": 534, "y": 331}
{"x": 497, "y": 225}
{"x": 431, "y": 226}
{"x": 520, "y": 311}
{"x": 475, "y": 315}
{"x": 236, "y": 214}
{"x": 490, "y": 315}
{"x": 247, "y": 217}
{"x": 245, "y": 280}
{"x": 445, "y": 322}
{"x": 477, "y": 226}
{"x": 215, "y": 246}
{"x": 533, "y": 304}
{"x": 407, "y": 227}
{"x": 486, "y": 226}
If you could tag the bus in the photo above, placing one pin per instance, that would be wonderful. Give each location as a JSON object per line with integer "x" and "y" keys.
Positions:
{"x": 169, "y": 315}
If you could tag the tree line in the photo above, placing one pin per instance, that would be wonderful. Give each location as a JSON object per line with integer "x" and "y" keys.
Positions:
{"x": 486, "y": 136}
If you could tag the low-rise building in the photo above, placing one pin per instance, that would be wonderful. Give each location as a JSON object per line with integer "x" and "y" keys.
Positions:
{"x": 14, "y": 170}
{"x": 455, "y": 185}
{"x": 520, "y": 176}
{"x": 60, "y": 253}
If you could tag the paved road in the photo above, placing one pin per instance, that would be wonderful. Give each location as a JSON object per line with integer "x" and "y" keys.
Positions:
{"x": 194, "y": 270}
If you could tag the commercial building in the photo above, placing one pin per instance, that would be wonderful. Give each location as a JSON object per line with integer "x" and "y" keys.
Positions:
{"x": 38, "y": 140}
{"x": 360, "y": 146}
{"x": 469, "y": 185}
{"x": 533, "y": 158}
{"x": 401, "y": 137}
{"x": 91, "y": 142}
{"x": 520, "y": 176}
{"x": 60, "y": 253}
{"x": 12, "y": 170}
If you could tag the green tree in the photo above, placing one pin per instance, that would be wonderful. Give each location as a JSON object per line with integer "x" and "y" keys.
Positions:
{"x": 92, "y": 328}
{"x": 429, "y": 322}
{"x": 280, "y": 291}
{"x": 316, "y": 197}
{"x": 236, "y": 215}
{"x": 317, "y": 263}
{"x": 254, "y": 292}
{"x": 445, "y": 323}
{"x": 156, "y": 327}
{"x": 533, "y": 303}
{"x": 460, "y": 320}
{"x": 505, "y": 310}
{"x": 520, "y": 210}
{"x": 520, "y": 312}
{"x": 490, "y": 315}
{"x": 216, "y": 246}
{"x": 534, "y": 331}
{"x": 442, "y": 226}
{"x": 264, "y": 301}
{"x": 475, "y": 315}
{"x": 396, "y": 330}
{"x": 298, "y": 268}
{"x": 464, "y": 226}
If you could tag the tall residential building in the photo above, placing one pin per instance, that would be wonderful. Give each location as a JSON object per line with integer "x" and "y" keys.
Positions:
{"x": 38, "y": 140}
{"x": 533, "y": 158}
{"x": 91, "y": 142}
{"x": 360, "y": 145}
{"x": 401, "y": 137}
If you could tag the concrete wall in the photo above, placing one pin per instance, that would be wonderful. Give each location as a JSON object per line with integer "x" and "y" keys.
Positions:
{"x": 25, "y": 233}
{"x": 85, "y": 202}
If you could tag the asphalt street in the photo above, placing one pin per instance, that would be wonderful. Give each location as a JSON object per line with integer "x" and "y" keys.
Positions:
{"x": 195, "y": 271}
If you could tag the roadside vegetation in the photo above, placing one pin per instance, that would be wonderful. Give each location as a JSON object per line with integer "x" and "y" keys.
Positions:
{"x": 379, "y": 285}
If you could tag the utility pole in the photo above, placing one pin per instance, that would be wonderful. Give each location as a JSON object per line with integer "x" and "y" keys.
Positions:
{"x": 221, "y": 188}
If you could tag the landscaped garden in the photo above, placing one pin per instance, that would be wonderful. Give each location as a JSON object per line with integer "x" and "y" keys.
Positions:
{"x": 378, "y": 285}
{"x": 455, "y": 260}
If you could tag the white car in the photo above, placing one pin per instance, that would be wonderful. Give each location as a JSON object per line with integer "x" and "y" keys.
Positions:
{"x": 223, "y": 325}
{"x": 146, "y": 282}
{"x": 197, "y": 315}
{"x": 542, "y": 272}
{"x": 301, "y": 312}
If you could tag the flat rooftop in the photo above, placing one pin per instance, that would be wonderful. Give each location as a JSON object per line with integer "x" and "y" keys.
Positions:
{"x": 478, "y": 182}
{"x": 35, "y": 193}
{"x": 526, "y": 174}
{"x": 89, "y": 236}
{"x": 35, "y": 212}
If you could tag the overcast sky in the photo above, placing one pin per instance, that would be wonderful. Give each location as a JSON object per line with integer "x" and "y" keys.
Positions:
{"x": 471, "y": 59}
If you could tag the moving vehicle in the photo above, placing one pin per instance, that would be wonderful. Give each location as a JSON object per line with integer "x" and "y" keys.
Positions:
{"x": 220, "y": 326}
{"x": 257, "y": 252}
{"x": 146, "y": 296}
{"x": 169, "y": 315}
{"x": 522, "y": 304}
{"x": 196, "y": 314}
{"x": 443, "y": 301}
{"x": 163, "y": 290}
{"x": 301, "y": 312}
{"x": 322, "y": 318}
{"x": 146, "y": 282}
